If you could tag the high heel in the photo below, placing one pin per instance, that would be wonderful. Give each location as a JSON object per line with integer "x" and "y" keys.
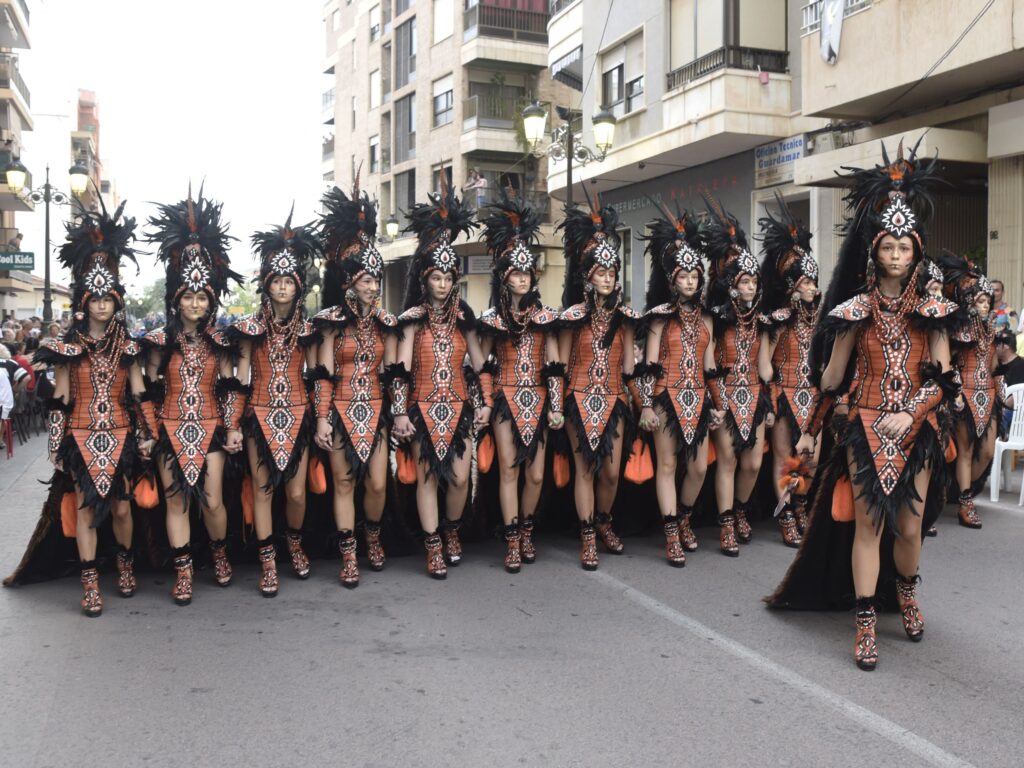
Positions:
{"x": 300, "y": 562}
{"x": 513, "y": 555}
{"x": 126, "y": 582}
{"x": 865, "y": 645}
{"x": 588, "y": 547}
{"x": 727, "y": 534}
{"x": 906, "y": 595}
{"x": 181, "y": 592}
{"x": 673, "y": 548}
{"x": 222, "y": 572}
{"x": 526, "y": 547}
{"x": 268, "y": 585}
{"x": 611, "y": 541}
{"x": 436, "y": 568}
{"x": 686, "y": 535}
{"x": 374, "y": 549}
{"x": 92, "y": 600}
{"x": 349, "y": 573}
{"x": 452, "y": 545}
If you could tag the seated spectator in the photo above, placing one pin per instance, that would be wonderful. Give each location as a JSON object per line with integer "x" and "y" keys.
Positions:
{"x": 18, "y": 355}
{"x": 6, "y": 407}
{"x": 1011, "y": 367}
{"x": 16, "y": 375}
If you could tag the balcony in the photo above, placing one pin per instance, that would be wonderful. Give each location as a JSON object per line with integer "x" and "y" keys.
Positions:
{"x": 14, "y": 32}
{"x": 492, "y": 123}
{"x": 327, "y": 106}
{"x": 728, "y": 57}
{"x": 8, "y": 200}
{"x": 556, "y": 6}
{"x": 327, "y": 150}
{"x": 10, "y": 77}
{"x": 507, "y": 35}
{"x": 855, "y": 87}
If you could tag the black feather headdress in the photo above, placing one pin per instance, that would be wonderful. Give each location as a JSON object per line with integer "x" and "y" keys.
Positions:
{"x": 192, "y": 242}
{"x": 286, "y": 251}
{"x": 963, "y": 280}
{"x": 674, "y": 244}
{"x": 590, "y": 242}
{"x": 95, "y": 245}
{"x": 725, "y": 244}
{"x": 510, "y": 230}
{"x": 786, "y": 244}
{"x": 347, "y": 229}
{"x": 437, "y": 225}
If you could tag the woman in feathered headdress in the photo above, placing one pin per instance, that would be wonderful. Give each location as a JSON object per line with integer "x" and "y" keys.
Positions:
{"x": 791, "y": 301}
{"x": 357, "y": 337}
{"x": 680, "y": 351}
{"x": 522, "y": 334}
{"x": 276, "y": 344}
{"x": 100, "y": 416}
{"x": 743, "y": 368}
{"x": 596, "y": 343}
{"x": 892, "y": 343}
{"x": 189, "y": 363}
{"x": 431, "y": 398}
{"x": 977, "y": 417}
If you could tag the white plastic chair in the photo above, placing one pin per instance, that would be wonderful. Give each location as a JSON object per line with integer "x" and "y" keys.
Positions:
{"x": 1014, "y": 442}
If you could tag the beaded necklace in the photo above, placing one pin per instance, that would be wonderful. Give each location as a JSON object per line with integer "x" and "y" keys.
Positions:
{"x": 105, "y": 353}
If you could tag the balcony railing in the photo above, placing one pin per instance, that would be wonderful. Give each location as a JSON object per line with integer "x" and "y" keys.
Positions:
{"x": 10, "y": 77}
{"x": 728, "y": 57}
{"x": 555, "y": 6}
{"x": 327, "y": 100}
{"x": 508, "y": 23}
{"x": 811, "y": 14}
{"x": 492, "y": 111}
{"x": 385, "y": 160}
{"x": 328, "y": 150}
{"x": 24, "y": 8}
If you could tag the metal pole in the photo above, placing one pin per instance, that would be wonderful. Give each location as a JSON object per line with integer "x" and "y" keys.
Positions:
{"x": 568, "y": 165}
{"x": 47, "y": 296}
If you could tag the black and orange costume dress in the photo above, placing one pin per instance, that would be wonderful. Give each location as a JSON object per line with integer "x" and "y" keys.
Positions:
{"x": 524, "y": 385}
{"x": 890, "y": 371}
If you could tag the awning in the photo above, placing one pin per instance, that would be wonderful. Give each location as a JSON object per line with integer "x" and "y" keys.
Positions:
{"x": 569, "y": 68}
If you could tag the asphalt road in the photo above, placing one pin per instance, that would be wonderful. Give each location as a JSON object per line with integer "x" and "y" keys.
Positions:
{"x": 638, "y": 664}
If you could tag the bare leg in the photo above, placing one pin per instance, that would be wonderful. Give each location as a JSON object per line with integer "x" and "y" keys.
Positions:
{"x": 865, "y": 541}
{"x": 295, "y": 493}
{"x": 344, "y": 489}
{"x": 533, "y": 482}
{"x": 665, "y": 468}
{"x": 458, "y": 487}
{"x": 376, "y": 481}
{"x": 782, "y": 449}
{"x": 906, "y": 549}
{"x": 426, "y": 492}
{"x": 750, "y": 465}
{"x": 696, "y": 470}
{"x": 508, "y": 472}
{"x": 963, "y": 456}
{"x": 121, "y": 512}
{"x": 262, "y": 497}
{"x": 725, "y": 474}
{"x": 178, "y": 528}
{"x": 583, "y": 488}
{"x": 985, "y": 453}
{"x": 85, "y": 534}
{"x": 215, "y": 515}
{"x": 608, "y": 478}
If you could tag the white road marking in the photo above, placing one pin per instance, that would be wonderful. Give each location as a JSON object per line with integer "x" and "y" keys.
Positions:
{"x": 882, "y": 726}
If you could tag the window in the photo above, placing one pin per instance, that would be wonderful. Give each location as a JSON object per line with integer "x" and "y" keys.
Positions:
{"x": 353, "y": 112}
{"x": 444, "y": 20}
{"x": 635, "y": 94}
{"x": 626, "y": 251}
{"x": 405, "y": 53}
{"x": 435, "y": 177}
{"x": 374, "y": 23}
{"x": 374, "y": 154}
{"x": 401, "y": 6}
{"x": 405, "y": 128}
{"x": 611, "y": 87}
{"x": 443, "y": 101}
{"x": 405, "y": 191}
{"x": 375, "y": 89}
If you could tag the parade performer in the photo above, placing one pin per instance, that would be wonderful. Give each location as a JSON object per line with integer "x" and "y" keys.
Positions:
{"x": 522, "y": 334}
{"x": 680, "y": 348}
{"x": 270, "y": 405}
{"x": 596, "y": 343}
{"x": 431, "y": 401}
{"x": 977, "y": 417}
{"x": 100, "y": 415}
{"x": 791, "y": 300}
{"x": 188, "y": 362}
{"x": 889, "y": 354}
{"x": 357, "y": 337}
{"x": 739, "y": 386}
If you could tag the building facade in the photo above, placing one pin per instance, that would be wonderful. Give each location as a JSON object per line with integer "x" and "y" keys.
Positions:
{"x": 414, "y": 87}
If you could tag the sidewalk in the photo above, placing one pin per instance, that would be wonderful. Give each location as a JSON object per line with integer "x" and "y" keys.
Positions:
{"x": 22, "y": 495}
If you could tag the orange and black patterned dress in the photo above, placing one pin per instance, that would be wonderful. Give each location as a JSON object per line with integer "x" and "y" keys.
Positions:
{"x": 356, "y": 405}
{"x": 793, "y": 392}
{"x": 98, "y": 448}
{"x": 679, "y": 388}
{"x": 737, "y": 389}
{"x": 596, "y": 399}
{"x": 973, "y": 350}
{"x": 439, "y": 399}
{"x": 189, "y": 415}
{"x": 521, "y": 378}
{"x": 278, "y": 416}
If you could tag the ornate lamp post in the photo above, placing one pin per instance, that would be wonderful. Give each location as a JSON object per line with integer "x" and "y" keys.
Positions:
{"x": 16, "y": 175}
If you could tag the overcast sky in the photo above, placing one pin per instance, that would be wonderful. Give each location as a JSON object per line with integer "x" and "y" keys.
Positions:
{"x": 226, "y": 90}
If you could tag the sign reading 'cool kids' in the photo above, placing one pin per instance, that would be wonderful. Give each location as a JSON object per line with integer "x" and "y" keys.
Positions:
{"x": 17, "y": 260}
{"x": 773, "y": 163}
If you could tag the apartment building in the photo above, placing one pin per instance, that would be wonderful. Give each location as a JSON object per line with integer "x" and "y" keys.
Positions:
{"x": 946, "y": 72}
{"x": 15, "y": 107}
{"x": 417, "y": 86}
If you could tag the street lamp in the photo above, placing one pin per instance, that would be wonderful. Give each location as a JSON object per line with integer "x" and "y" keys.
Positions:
{"x": 565, "y": 143}
{"x": 17, "y": 174}
{"x": 391, "y": 226}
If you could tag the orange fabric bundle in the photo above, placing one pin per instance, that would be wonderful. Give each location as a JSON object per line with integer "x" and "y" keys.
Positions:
{"x": 639, "y": 467}
{"x": 146, "y": 494}
{"x": 406, "y": 466}
{"x": 560, "y": 470}
{"x": 69, "y": 514}
{"x": 796, "y": 469}
{"x": 485, "y": 453}
{"x": 950, "y": 451}
{"x": 247, "y": 500}
{"x": 712, "y": 453}
{"x": 842, "y": 501}
{"x": 316, "y": 476}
